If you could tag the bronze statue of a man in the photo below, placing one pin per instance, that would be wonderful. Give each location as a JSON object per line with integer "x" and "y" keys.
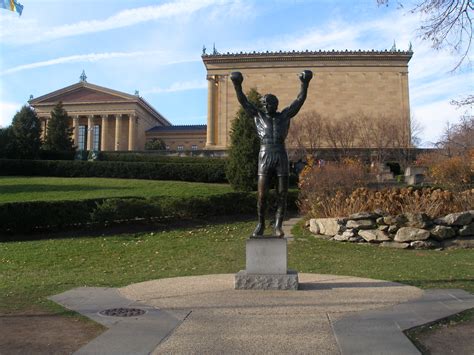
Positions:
{"x": 272, "y": 128}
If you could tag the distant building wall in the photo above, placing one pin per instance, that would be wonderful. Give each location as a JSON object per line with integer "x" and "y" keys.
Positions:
{"x": 373, "y": 83}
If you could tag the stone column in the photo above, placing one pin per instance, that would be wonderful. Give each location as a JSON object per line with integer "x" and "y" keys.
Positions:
{"x": 118, "y": 132}
{"x": 90, "y": 131}
{"x": 405, "y": 107}
{"x": 75, "y": 124}
{"x": 43, "y": 128}
{"x": 132, "y": 131}
{"x": 104, "y": 130}
{"x": 211, "y": 111}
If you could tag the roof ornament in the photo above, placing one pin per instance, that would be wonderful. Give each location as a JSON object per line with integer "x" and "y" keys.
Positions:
{"x": 214, "y": 50}
{"x": 137, "y": 93}
{"x": 83, "y": 76}
{"x": 394, "y": 47}
{"x": 31, "y": 97}
{"x": 410, "y": 47}
{"x": 204, "y": 50}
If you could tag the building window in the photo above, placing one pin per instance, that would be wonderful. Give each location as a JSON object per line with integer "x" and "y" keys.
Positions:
{"x": 96, "y": 137}
{"x": 194, "y": 147}
{"x": 82, "y": 138}
{"x": 180, "y": 147}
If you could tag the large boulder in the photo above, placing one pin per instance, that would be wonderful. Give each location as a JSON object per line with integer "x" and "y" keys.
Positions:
{"x": 361, "y": 224}
{"x": 398, "y": 220}
{"x": 364, "y": 215}
{"x": 374, "y": 236}
{"x": 313, "y": 226}
{"x": 465, "y": 242}
{"x": 467, "y": 230}
{"x": 394, "y": 245}
{"x": 418, "y": 220}
{"x": 327, "y": 226}
{"x": 455, "y": 219}
{"x": 410, "y": 234}
{"x": 425, "y": 244}
{"x": 442, "y": 232}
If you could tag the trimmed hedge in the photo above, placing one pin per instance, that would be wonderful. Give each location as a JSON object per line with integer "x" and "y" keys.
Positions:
{"x": 54, "y": 155}
{"x": 26, "y": 217}
{"x": 157, "y": 158}
{"x": 111, "y": 169}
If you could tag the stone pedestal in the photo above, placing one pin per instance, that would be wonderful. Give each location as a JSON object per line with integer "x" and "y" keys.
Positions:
{"x": 266, "y": 266}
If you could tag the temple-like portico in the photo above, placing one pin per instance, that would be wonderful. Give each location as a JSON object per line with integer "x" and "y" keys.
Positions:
{"x": 102, "y": 119}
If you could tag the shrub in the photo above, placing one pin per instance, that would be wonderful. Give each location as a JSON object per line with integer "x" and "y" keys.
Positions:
{"x": 46, "y": 215}
{"x": 57, "y": 155}
{"x": 434, "y": 202}
{"x": 143, "y": 170}
{"x": 455, "y": 172}
{"x": 157, "y": 158}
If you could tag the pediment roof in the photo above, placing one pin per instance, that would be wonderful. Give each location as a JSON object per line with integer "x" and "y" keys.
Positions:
{"x": 87, "y": 93}
{"x": 83, "y": 92}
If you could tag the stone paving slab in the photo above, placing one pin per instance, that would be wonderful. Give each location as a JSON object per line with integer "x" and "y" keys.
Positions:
{"x": 224, "y": 320}
{"x": 126, "y": 335}
{"x": 380, "y": 331}
{"x": 205, "y": 314}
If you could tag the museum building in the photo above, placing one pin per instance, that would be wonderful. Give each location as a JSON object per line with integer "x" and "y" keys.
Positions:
{"x": 345, "y": 83}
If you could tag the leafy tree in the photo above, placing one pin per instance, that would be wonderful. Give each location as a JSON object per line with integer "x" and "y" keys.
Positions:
{"x": 241, "y": 169}
{"x": 58, "y": 136}
{"x": 26, "y": 134}
{"x": 155, "y": 144}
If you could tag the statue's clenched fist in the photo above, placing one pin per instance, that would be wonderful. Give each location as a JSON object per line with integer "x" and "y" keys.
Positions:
{"x": 306, "y": 76}
{"x": 236, "y": 77}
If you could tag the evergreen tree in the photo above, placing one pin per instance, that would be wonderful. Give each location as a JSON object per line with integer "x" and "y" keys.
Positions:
{"x": 7, "y": 143}
{"x": 241, "y": 169}
{"x": 26, "y": 134}
{"x": 155, "y": 144}
{"x": 58, "y": 136}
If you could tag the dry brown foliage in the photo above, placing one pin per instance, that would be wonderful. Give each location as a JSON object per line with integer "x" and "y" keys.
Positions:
{"x": 434, "y": 202}
{"x": 340, "y": 189}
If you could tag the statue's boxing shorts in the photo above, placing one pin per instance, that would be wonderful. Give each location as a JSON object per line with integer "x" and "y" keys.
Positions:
{"x": 273, "y": 158}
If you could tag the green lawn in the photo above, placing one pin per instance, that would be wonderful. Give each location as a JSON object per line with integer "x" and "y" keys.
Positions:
{"x": 31, "y": 271}
{"x": 16, "y": 189}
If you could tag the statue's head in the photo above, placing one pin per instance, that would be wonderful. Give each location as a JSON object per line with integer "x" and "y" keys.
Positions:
{"x": 270, "y": 103}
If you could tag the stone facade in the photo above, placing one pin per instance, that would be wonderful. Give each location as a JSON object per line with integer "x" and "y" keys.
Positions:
{"x": 102, "y": 119}
{"x": 372, "y": 83}
{"x": 180, "y": 138}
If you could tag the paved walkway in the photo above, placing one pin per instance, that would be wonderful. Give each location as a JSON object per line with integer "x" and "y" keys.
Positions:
{"x": 204, "y": 314}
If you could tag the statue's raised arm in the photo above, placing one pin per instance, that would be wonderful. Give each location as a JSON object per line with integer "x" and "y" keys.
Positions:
{"x": 237, "y": 80}
{"x": 294, "y": 108}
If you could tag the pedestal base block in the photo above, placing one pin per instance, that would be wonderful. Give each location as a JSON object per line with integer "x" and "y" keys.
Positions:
{"x": 247, "y": 281}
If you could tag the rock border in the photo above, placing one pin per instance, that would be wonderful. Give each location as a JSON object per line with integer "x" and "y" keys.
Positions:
{"x": 403, "y": 231}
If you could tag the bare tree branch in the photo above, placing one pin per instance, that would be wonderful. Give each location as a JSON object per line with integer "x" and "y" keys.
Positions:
{"x": 447, "y": 24}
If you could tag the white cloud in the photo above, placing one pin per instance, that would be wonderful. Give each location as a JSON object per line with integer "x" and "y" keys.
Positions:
{"x": 160, "y": 58}
{"x": 434, "y": 117}
{"x": 179, "y": 86}
{"x": 7, "y": 111}
{"x": 31, "y": 32}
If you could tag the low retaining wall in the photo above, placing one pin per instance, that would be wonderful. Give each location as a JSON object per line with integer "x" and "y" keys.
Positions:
{"x": 408, "y": 230}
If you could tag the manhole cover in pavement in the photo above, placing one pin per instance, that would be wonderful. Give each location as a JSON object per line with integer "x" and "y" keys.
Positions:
{"x": 123, "y": 312}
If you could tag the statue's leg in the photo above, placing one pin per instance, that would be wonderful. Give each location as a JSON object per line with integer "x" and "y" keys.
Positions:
{"x": 282, "y": 193}
{"x": 263, "y": 182}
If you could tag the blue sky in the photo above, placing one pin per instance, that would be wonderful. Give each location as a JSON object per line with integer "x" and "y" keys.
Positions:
{"x": 155, "y": 47}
